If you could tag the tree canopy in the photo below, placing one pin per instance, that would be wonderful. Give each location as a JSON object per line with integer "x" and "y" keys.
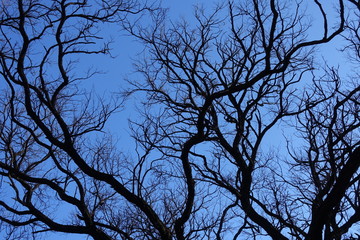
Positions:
{"x": 242, "y": 130}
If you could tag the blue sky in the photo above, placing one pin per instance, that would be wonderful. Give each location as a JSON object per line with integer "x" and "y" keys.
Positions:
{"x": 124, "y": 49}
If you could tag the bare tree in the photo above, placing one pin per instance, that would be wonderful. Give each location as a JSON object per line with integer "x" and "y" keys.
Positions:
{"x": 221, "y": 87}
{"x": 48, "y": 162}
{"x": 214, "y": 92}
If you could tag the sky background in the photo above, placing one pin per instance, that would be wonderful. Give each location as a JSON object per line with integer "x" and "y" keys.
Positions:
{"x": 125, "y": 48}
{"x": 116, "y": 70}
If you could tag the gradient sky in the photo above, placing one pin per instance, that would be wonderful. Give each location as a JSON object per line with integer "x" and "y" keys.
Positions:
{"x": 125, "y": 49}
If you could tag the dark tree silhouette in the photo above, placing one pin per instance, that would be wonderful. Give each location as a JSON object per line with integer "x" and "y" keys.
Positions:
{"x": 215, "y": 93}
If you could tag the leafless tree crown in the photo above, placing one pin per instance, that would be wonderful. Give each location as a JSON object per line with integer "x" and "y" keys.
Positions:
{"x": 243, "y": 132}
